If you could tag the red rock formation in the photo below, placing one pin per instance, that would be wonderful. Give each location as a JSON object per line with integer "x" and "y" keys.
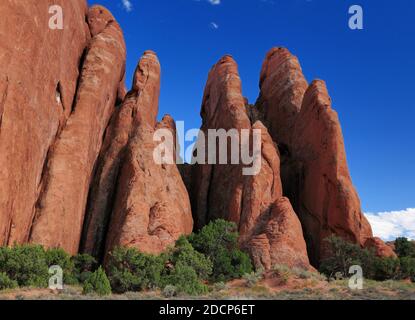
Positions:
{"x": 381, "y": 249}
{"x": 327, "y": 201}
{"x": 282, "y": 85}
{"x": 260, "y": 191}
{"x": 63, "y": 144}
{"x": 134, "y": 201}
{"x": 152, "y": 208}
{"x": 140, "y": 106}
{"x": 314, "y": 169}
{"x": 252, "y": 202}
{"x": 39, "y": 69}
{"x": 278, "y": 238}
{"x": 217, "y": 191}
{"x": 168, "y": 123}
{"x": 61, "y": 206}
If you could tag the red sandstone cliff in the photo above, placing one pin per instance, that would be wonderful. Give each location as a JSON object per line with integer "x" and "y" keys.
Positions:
{"x": 314, "y": 168}
{"x": 76, "y": 151}
{"x": 39, "y": 70}
{"x": 61, "y": 205}
{"x": 134, "y": 201}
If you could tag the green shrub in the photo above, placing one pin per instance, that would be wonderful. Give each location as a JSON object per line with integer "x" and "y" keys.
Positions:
{"x": 185, "y": 279}
{"x": 6, "y": 282}
{"x": 341, "y": 255}
{"x": 184, "y": 253}
{"x": 407, "y": 268}
{"x": 130, "y": 270}
{"x": 83, "y": 266}
{"x": 283, "y": 272}
{"x": 385, "y": 268}
{"x": 253, "y": 278}
{"x": 97, "y": 283}
{"x": 219, "y": 242}
{"x": 219, "y": 286}
{"x": 185, "y": 268}
{"x": 25, "y": 264}
{"x": 404, "y": 248}
{"x": 169, "y": 291}
{"x": 58, "y": 257}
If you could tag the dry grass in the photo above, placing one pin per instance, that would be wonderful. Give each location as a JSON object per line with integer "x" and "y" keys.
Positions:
{"x": 281, "y": 283}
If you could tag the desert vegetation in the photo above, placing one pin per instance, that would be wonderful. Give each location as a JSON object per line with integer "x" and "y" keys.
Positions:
{"x": 342, "y": 255}
{"x": 203, "y": 258}
{"x": 206, "y": 264}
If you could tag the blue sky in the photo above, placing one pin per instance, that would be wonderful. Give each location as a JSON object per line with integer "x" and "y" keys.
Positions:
{"x": 369, "y": 73}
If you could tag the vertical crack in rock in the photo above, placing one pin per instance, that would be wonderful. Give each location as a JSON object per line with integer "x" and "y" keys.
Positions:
{"x": 4, "y": 88}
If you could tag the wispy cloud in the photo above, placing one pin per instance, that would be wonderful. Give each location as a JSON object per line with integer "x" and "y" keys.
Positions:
{"x": 127, "y": 4}
{"x": 214, "y": 25}
{"x": 212, "y": 2}
{"x": 393, "y": 224}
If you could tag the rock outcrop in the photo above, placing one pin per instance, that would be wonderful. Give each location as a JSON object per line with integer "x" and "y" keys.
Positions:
{"x": 61, "y": 206}
{"x": 254, "y": 202}
{"x": 314, "y": 170}
{"x": 140, "y": 106}
{"x": 217, "y": 190}
{"x": 39, "y": 69}
{"x": 282, "y": 86}
{"x": 278, "y": 238}
{"x": 77, "y": 152}
{"x": 134, "y": 201}
{"x": 381, "y": 249}
{"x": 152, "y": 208}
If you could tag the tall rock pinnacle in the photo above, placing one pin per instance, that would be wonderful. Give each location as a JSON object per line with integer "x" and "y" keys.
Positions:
{"x": 327, "y": 202}
{"x": 253, "y": 202}
{"x": 133, "y": 201}
{"x": 282, "y": 85}
{"x": 61, "y": 206}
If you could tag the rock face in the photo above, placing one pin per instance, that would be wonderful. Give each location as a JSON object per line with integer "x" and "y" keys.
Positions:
{"x": 265, "y": 219}
{"x": 381, "y": 249}
{"x": 139, "y": 106}
{"x": 134, "y": 201}
{"x": 314, "y": 169}
{"x": 77, "y": 166}
{"x": 327, "y": 202}
{"x": 217, "y": 190}
{"x": 39, "y": 69}
{"x": 282, "y": 85}
{"x": 152, "y": 208}
{"x": 278, "y": 238}
{"x": 61, "y": 206}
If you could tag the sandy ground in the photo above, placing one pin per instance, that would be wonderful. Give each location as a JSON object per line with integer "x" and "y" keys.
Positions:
{"x": 273, "y": 286}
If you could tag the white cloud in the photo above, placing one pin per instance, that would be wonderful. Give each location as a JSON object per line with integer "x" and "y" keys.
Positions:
{"x": 212, "y": 2}
{"x": 393, "y": 224}
{"x": 214, "y": 25}
{"x": 128, "y": 6}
